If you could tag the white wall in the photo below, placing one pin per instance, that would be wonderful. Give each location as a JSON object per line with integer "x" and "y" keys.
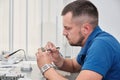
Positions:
{"x": 4, "y": 23}
{"x": 29, "y": 24}
{"x": 109, "y": 16}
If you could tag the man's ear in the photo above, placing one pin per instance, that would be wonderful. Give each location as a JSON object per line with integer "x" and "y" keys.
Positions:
{"x": 86, "y": 28}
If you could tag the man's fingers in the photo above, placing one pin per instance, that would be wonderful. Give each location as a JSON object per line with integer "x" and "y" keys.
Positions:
{"x": 49, "y": 45}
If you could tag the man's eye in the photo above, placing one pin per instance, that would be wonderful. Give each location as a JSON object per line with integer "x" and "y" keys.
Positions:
{"x": 67, "y": 28}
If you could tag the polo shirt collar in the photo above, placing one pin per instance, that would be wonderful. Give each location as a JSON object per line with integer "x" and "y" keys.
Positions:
{"x": 95, "y": 32}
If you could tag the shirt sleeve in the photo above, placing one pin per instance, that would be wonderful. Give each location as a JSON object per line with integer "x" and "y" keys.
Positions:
{"x": 98, "y": 58}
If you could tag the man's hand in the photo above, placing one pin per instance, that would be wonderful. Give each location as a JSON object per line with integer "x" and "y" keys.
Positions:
{"x": 55, "y": 54}
{"x": 43, "y": 58}
{"x": 46, "y": 56}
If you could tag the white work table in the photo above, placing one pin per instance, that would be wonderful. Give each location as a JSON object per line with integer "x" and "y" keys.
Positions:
{"x": 34, "y": 74}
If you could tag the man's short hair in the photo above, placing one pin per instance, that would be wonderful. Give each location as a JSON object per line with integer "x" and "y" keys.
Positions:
{"x": 81, "y": 8}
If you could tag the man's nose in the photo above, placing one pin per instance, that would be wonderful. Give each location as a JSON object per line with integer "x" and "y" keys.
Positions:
{"x": 64, "y": 32}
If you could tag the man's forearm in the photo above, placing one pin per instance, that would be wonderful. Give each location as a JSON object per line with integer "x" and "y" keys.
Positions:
{"x": 68, "y": 65}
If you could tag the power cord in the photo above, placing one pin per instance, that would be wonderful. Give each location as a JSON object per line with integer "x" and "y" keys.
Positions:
{"x": 16, "y": 52}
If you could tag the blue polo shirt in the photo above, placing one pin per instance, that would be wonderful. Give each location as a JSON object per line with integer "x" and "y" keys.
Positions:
{"x": 101, "y": 54}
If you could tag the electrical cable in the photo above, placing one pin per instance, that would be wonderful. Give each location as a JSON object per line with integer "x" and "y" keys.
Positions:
{"x": 16, "y": 52}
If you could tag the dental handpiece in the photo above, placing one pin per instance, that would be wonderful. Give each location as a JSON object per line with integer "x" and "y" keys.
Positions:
{"x": 43, "y": 49}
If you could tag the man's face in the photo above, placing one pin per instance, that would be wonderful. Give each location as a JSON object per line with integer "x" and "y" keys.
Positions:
{"x": 72, "y": 31}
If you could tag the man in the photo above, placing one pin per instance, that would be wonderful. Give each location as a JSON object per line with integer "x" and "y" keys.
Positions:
{"x": 99, "y": 58}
